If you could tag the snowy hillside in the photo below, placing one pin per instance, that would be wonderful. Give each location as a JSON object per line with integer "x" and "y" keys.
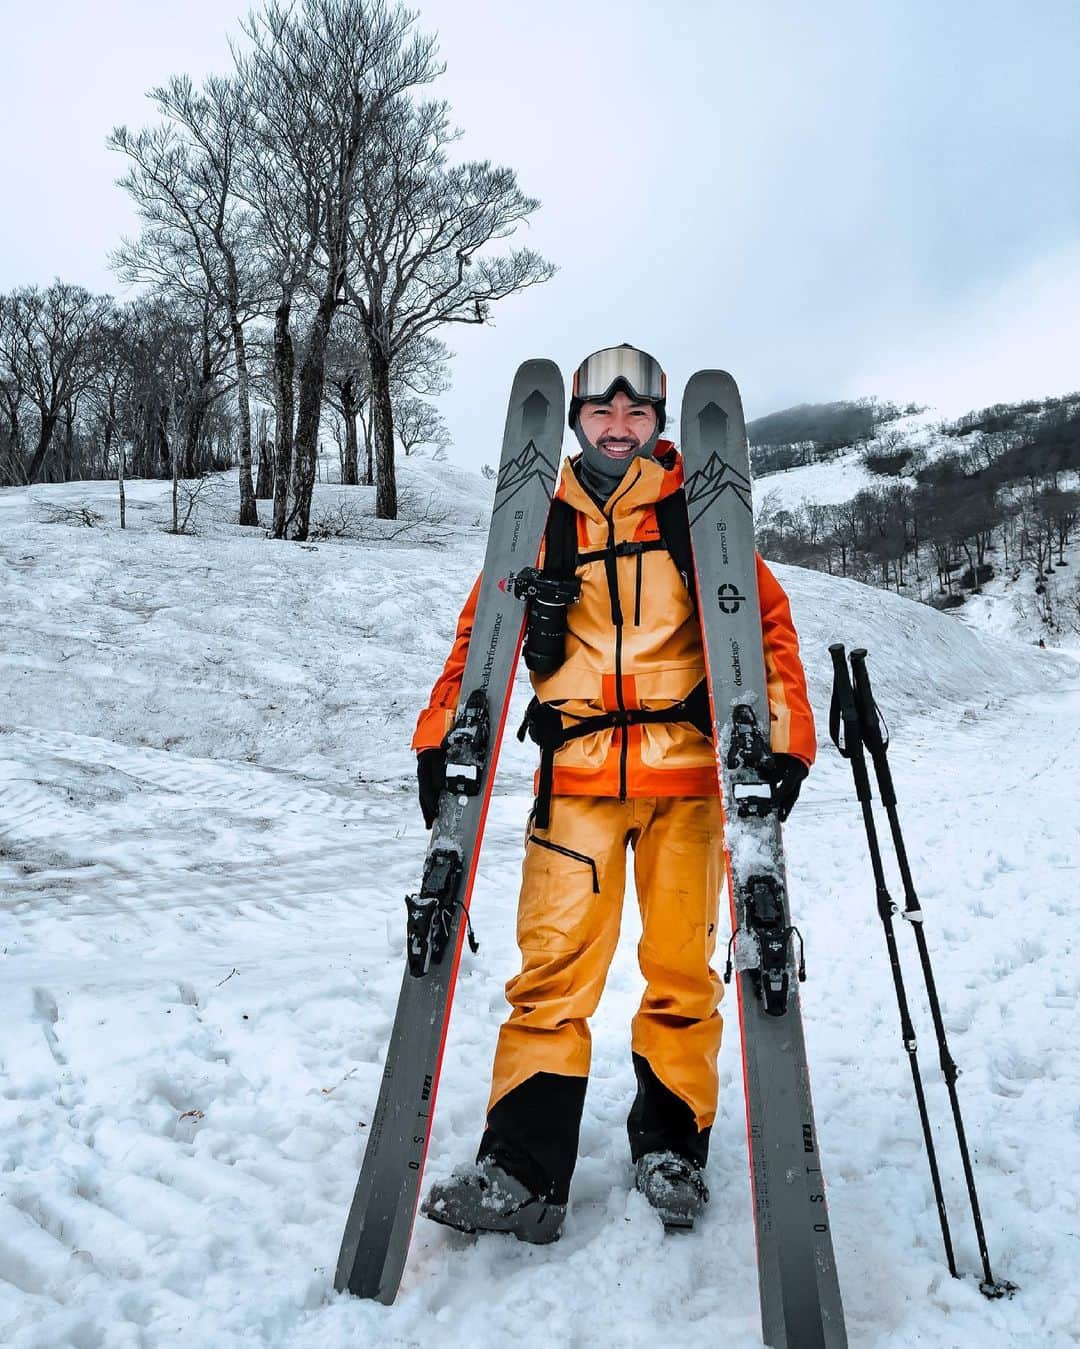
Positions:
{"x": 834, "y": 480}
{"x": 1009, "y": 603}
{"x": 207, "y": 826}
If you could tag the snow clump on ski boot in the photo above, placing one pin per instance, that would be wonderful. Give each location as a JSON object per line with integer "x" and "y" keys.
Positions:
{"x": 485, "y": 1198}
{"x": 674, "y": 1187}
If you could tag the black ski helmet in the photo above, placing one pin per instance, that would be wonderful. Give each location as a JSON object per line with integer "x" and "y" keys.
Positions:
{"x": 625, "y": 367}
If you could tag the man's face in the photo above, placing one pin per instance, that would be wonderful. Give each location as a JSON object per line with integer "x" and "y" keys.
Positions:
{"x": 618, "y": 428}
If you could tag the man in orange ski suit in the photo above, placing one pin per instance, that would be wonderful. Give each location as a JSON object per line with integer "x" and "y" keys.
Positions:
{"x": 633, "y": 642}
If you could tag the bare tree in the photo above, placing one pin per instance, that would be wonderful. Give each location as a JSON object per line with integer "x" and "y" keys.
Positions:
{"x": 12, "y": 396}
{"x": 49, "y": 346}
{"x": 196, "y": 236}
{"x": 159, "y": 350}
{"x": 278, "y": 180}
{"x": 420, "y": 423}
{"x": 264, "y": 486}
{"x": 327, "y": 71}
{"x": 418, "y": 231}
{"x": 348, "y": 387}
{"x": 108, "y": 397}
{"x": 1060, "y": 509}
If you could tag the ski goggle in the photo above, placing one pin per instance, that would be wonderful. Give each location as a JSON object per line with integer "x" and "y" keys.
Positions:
{"x": 597, "y": 375}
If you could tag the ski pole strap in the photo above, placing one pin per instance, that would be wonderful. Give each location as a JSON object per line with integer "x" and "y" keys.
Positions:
{"x": 844, "y": 726}
{"x": 875, "y": 731}
{"x": 543, "y": 724}
{"x": 843, "y": 717}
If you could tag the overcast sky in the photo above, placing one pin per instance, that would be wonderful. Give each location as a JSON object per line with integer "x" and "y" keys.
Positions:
{"x": 827, "y": 199}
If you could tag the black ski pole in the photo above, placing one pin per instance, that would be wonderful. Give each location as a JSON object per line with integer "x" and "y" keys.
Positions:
{"x": 844, "y": 727}
{"x": 876, "y": 739}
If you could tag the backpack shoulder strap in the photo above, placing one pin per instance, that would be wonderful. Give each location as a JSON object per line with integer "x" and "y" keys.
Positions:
{"x": 674, "y": 523}
{"x": 560, "y": 541}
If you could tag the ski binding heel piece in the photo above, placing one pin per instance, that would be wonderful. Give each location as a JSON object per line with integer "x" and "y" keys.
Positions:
{"x": 431, "y": 912}
{"x": 467, "y": 746}
{"x": 772, "y": 937}
{"x": 751, "y": 763}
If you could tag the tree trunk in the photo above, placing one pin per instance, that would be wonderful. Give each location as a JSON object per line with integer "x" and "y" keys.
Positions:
{"x": 308, "y": 413}
{"x": 284, "y": 410}
{"x": 249, "y": 512}
{"x": 48, "y": 425}
{"x": 196, "y": 413}
{"x": 369, "y": 452}
{"x": 349, "y": 462}
{"x": 176, "y": 493}
{"x": 264, "y": 484}
{"x": 140, "y": 440}
{"x": 164, "y": 450}
{"x": 11, "y": 407}
{"x": 67, "y": 455}
{"x": 382, "y": 422}
{"x": 120, "y": 485}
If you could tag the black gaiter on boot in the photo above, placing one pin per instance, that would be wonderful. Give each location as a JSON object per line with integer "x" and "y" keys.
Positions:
{"x": 660, "y": 1121}
{"x": 532, "y": 1133}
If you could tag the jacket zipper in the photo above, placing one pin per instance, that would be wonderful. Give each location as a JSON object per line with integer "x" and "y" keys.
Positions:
{"x": 612, "y": 570}
{"x": 637, "y": 595}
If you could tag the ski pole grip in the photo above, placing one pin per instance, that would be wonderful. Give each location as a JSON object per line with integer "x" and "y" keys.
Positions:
{"x": 843, "y": 712}
{"x": 842, "y": 708}
{"x": 869, "y": 717}
{"x": 870, "y": 724}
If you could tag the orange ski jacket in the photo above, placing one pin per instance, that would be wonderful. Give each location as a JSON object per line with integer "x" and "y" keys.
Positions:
{"x": 652, "y": 660}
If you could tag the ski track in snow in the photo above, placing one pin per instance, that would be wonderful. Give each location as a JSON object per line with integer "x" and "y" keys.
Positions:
{"x": 202, "y": 935}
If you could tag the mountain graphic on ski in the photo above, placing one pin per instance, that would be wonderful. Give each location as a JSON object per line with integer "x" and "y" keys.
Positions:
{"x": 706, "y": 484}
{"x": 375, "y": 1243}
{"x": 797, "y": 1281}
{"x": 523, "y": 472}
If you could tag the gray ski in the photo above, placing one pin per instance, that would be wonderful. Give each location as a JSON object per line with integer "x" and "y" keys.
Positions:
{"x": 800, "y": 1295}
{"x": 377, "y": 1232}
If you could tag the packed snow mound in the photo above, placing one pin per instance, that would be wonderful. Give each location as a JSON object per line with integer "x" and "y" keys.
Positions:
{"x": 231, "y": 645}
{"x": 921, "y": 661}
{"x": 226, "y": 643}
{"x": 431, "y": 495}
{"x": 441, "y": 490}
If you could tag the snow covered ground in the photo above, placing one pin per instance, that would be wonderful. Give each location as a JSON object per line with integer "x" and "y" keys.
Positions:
{"x": 207, "y": 825}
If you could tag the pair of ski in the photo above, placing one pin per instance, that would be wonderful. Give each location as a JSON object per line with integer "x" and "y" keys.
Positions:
{"x": 800, "y": 1297}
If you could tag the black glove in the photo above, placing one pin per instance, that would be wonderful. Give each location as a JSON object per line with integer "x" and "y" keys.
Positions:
{"x": 431, "y": 777}
{"x": 786, "y": 782}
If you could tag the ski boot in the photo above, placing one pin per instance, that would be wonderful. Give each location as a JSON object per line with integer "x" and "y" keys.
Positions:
{"x": 485, "y": 1198}
{"x": 674, "y": 1186}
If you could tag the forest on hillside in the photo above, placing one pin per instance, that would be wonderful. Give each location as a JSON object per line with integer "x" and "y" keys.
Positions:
{"x": 1000, "y": 492}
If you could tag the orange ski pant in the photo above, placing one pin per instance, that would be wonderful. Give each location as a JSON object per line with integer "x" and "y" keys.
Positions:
{"x": 569, "y": 910}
